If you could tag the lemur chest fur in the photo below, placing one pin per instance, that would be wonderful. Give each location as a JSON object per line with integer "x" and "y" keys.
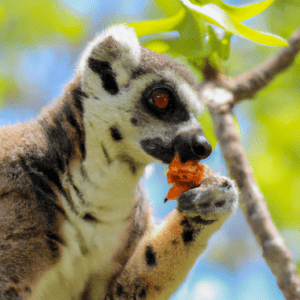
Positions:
{"x": 96, "y": 232}
{"x": 89, "y": 252}
{"x": 99, "y": 205}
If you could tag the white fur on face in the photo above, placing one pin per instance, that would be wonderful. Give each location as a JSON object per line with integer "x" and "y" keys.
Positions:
{"x": 102, "y": 110}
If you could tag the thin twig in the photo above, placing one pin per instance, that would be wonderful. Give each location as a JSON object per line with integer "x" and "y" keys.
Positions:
{"x": 246, "y": 85}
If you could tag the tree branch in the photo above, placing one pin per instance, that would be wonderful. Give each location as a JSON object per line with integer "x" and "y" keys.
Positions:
{"x": 249, "y": 83}
{"x": 220, "y": 94}
{"x": 275, "y": 253}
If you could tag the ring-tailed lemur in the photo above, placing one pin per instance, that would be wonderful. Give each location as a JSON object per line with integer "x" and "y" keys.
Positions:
{"x": 72, "y": 223}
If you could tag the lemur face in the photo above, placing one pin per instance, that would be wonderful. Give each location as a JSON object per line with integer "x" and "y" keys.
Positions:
{"x": 140, "y": 104}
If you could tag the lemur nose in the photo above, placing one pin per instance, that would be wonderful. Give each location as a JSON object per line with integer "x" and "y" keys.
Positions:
{"x": 192, "y": 146}
{"x": 200, "y": 146}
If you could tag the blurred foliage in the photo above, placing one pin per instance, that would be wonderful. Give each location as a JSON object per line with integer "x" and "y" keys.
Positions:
{"x": 275, "y": 159}
{"x": 40, "y": 20}
{"x": 274, "y": 137}
{"x": 32, "y": 22}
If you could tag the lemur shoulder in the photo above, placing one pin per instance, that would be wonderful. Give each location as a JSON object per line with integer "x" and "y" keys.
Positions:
{"x": 74, "y": 222}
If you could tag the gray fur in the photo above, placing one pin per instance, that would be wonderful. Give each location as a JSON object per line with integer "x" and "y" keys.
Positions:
{"x": 153, "y": 62}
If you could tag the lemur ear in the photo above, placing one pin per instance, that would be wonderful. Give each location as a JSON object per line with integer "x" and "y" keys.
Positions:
{"x": 109, "y": 60}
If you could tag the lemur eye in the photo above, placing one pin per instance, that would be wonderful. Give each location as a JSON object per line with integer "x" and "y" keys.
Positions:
{"x": 159, "y": 98}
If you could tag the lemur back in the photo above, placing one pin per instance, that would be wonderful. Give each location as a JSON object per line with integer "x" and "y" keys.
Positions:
{"x": 74, "y": 222}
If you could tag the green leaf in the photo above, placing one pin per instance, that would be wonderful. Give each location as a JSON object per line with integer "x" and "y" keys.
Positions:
{"x": 157, "y": 46}
{"x": 260, "y": 37}
{"x": 241, "y": 13}
{"x": 225, "y": 46}
{"x": 213, "y": 38}
{"x": 229, "y": 22}
{"x": 170, "y": 7}
{"x": 156, "y": 26}
{"x": 192, "y": 43}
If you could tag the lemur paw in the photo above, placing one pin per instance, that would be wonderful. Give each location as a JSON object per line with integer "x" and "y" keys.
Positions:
{"x": 215, "y": 198}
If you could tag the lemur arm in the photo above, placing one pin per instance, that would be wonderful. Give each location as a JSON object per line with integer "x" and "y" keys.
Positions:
{"x": 161, "y": 261}
{"x": 165, "y": 255}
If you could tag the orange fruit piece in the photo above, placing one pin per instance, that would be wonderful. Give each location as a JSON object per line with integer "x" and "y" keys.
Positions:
{"x": 183, "y": 176}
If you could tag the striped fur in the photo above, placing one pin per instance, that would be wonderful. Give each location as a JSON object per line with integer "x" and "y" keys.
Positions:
{"x": 74, "y": 222}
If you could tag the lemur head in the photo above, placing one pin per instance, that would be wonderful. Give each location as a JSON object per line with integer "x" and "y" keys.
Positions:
{"x": 141, "y": 104}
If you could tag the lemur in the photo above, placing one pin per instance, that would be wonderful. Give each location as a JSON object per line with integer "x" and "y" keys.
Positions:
{"x": 74, "y": 223}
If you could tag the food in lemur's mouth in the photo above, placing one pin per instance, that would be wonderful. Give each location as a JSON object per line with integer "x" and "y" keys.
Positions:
{"x": 184, "y": 176}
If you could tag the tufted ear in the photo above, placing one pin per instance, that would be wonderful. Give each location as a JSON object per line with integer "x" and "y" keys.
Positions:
{"x": 109, "y": 60}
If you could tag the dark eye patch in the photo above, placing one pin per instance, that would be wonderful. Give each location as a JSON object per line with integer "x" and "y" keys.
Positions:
{"x": 175, "y": 111}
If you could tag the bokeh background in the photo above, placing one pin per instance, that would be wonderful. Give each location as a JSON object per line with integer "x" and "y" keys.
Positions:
{"x": 40, "y": 42}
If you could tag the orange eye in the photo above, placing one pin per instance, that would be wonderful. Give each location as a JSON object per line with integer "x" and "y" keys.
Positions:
{"x": 161, "y": 100}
